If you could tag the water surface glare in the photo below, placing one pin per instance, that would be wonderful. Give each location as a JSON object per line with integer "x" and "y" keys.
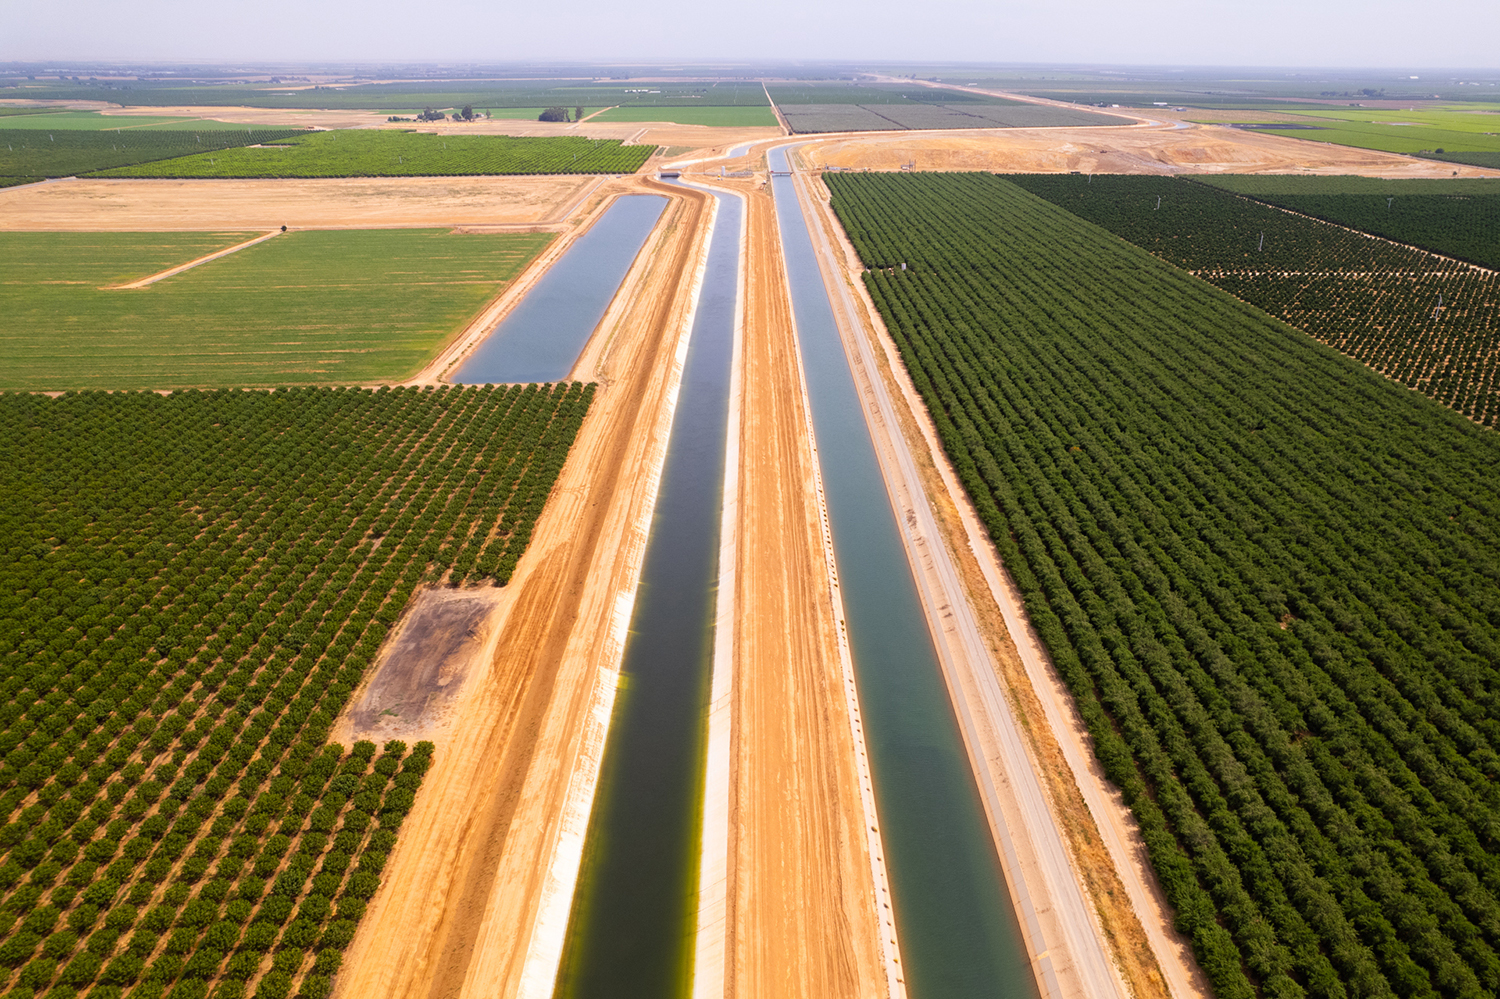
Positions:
{"x": 542, "y": 337}
{"x": 955, "y": 921}
{"x": 631, "y": 931}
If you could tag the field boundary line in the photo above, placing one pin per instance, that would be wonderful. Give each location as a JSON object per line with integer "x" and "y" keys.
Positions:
{"x": 1358, "y": 232}
{"x": 174, "y": 271}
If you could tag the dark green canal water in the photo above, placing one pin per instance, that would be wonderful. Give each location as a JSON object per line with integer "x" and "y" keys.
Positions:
{"x": 955, "y": 920}
{"x": 631, "y": 931}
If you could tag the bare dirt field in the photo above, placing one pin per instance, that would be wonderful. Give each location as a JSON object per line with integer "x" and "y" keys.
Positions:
{"x": 660, "y": 133}
{"x": 471, "y": 898}
{"x": 804, "y": 919}
{"x": 1182, "y": 148}
{"x": 413, "y": 693}
{"x": 361, "y": 202}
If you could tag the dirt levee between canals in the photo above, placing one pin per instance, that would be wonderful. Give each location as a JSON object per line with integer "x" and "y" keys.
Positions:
{"x": 804, "y": 920}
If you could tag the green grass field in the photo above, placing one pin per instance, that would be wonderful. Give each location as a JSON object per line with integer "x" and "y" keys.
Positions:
{"x": 719, "y": 116}
{"x": 1454, "y": 132}
{"x": 392, "y": 153}
{"x": 306, "y": 308}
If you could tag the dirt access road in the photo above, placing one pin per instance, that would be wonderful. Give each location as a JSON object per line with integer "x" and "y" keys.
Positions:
{"x": 804, "y": 913}
{"x": 475, "y": 898}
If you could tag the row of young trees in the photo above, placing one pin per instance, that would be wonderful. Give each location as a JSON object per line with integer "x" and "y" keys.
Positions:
{"x": 1270, "y": 578}
{"x": 1429, "y": 323}
{"x": 1462, "y": 225}
{"x": 194, "y": 585}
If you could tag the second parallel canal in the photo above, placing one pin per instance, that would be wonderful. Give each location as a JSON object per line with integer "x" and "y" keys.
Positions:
{"x": 956, "y": 923}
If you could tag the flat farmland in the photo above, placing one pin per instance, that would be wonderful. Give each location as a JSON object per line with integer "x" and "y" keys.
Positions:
{"x": 1267, "y": 575}
{"x": 33, "y": 152}
{"x": 347, "y": 202}
{"x": 93, "y": 121}
{"x": 1457, "y": 218}
{"x": 186, "y": 612}
{"x": 720, "y": 117}
{"x": 308, "y": 307}
{"x": 889, "y": 117}
{"x": 1457, "y": 135}
{"x": 1421, "y": 320}
{"x": 390, "y": 153}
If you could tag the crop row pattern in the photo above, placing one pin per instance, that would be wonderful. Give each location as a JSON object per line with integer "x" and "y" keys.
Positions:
{"x": 1269, "y": 577}
{"x": 372, "y": 153}
{"x": 31, "y": 152}
{"x": 194, "y": 585}
{"x": 1431, "y": 324}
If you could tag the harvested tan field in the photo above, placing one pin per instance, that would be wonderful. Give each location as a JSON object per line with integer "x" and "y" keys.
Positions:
{"x": 802, "y": 907}
{"x": 471, "y": 897}
{"x": 350, "y": 203}
{"x": 661, "y": 133}
{"x": 256, "y": 117}
{"x": 1181, "y": 148}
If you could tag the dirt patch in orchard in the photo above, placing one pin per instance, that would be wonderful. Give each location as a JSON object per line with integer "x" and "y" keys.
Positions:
{"x": 445, "y": 635}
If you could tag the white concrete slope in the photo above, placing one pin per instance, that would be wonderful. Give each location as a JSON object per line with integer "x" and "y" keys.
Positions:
{"x": 1064, "y": 939}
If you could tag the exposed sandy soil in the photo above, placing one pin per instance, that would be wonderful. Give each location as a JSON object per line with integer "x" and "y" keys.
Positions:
{"x": 802, "y": 904}
{"x": 352, "y": 203}
{"x": 1181, "y": 148}
{"x": 442, "y": 637}
{"x": 656, "y": 132}
{"x": 470, "y": 900}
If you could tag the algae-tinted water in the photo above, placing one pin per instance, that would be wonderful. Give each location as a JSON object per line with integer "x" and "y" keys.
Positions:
{"x": 631, "y": 930}
{"x": 954, "y": 917}
{"x": 544, "y": 334}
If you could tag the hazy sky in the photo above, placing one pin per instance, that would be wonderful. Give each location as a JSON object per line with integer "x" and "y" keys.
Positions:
{"x": 1373, "y": 33}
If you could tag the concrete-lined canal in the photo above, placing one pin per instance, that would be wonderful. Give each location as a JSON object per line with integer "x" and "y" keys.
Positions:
{"x": 541, "y": 338}
{"x": 631, "y": 931}
{"x": 956, "y": 924}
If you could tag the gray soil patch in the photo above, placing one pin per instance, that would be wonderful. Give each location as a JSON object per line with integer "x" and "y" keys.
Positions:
{"x": 423, "y": 667}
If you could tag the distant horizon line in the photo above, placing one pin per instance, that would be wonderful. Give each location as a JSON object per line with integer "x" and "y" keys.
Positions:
{"x": 242, "y": 66}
